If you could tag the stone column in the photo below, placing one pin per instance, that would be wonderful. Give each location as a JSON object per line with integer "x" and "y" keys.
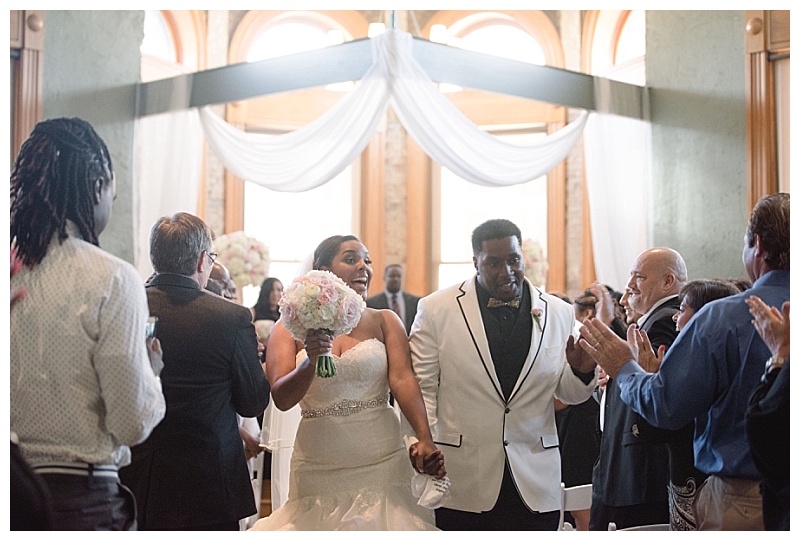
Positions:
{"x": 395, "y": 177}
{"x": 570, "y": 30}
{"x": 217, "y": 55}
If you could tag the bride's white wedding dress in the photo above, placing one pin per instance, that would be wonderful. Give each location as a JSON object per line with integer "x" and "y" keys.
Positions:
{"x": 350, "y": 469}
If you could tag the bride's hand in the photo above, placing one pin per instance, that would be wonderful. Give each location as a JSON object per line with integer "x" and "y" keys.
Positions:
{"x": 426, "y": 458}
{"x": 317, "y": 343}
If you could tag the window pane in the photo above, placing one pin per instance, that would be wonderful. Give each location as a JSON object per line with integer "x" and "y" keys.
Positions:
{"x": 631, "y": 42}
{"x": 293, "y": 224}
{"x": 466, "y": 205}
{"x": 157, "y": 38}
{"x": 286, "y": 39}
{"x": 504, "y": 41}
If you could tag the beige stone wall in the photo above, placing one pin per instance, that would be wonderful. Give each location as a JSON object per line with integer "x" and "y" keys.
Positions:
{"x": 218, "y": 38}
{"x": 395, "y": 181}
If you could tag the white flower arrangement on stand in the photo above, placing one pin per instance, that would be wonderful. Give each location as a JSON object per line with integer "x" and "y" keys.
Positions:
{"x": 535, "y": 262}
{"x": 245, "y": 257}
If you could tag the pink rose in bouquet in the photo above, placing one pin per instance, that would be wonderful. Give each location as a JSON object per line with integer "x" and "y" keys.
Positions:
{"x": 320, "y": 300}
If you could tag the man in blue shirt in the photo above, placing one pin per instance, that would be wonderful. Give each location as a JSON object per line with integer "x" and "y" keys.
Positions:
{"x": 710, "y": 372}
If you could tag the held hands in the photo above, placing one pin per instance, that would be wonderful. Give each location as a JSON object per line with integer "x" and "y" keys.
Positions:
{"x": 426, "y": 458}
{"x": 252, "y": 445}
{"x": 155, "y": 355}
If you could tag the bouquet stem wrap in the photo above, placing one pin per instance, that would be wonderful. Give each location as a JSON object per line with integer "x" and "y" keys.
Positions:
{"x": 320, "y": 300}
{"x": 325, "y": 366}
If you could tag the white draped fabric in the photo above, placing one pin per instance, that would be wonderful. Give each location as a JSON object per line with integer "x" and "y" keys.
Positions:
{"x": 170, "y": 150}
{"x": 617, "y": 154}
{"x": 310, "y": 156}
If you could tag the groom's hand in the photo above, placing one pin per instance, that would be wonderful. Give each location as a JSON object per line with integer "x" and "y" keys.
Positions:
{"x": 578, "y": 359}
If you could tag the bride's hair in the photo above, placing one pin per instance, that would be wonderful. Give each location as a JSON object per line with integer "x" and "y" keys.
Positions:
{"x": 328, "y": 248}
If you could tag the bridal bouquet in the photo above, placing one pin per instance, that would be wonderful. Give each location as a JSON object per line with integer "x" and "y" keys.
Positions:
{"x": 320, "y": 300}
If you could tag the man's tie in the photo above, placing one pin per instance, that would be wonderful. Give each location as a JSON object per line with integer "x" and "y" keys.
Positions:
{"x": 496, "y": 303}
{"x": 396, "y": 305}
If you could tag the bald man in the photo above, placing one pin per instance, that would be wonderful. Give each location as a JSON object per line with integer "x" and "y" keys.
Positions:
{"x": 631, "y": 476}
{"x": 220, "y": 274}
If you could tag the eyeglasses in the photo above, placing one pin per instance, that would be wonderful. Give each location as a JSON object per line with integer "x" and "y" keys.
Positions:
{"x": 212, "y": 256}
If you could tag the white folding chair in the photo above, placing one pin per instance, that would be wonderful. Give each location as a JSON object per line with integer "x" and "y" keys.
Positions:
{"x": 612, "y": 527}
{"x": 574, "y": 499}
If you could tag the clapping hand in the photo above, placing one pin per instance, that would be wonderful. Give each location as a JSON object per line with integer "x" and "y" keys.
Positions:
{"x": 640, "y": 343}
{"x": 771, "y": 324}
{"x": 605, "y": 309}
{"x": 602, "y": 378}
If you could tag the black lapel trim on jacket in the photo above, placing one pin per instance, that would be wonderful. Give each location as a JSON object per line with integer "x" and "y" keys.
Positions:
{"x": 475, "y": 342}
{"x": 538, "y": 347}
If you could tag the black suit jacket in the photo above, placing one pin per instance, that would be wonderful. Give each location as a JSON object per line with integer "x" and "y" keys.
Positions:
{"x": 631, "y": 469}
{"x": 192, "y": 470}
{"x": 768, "y": 430}
{"x": 380, "y": 302}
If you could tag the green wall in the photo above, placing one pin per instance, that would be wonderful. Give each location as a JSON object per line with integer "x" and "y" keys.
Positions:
{"x": 92, "y": 60}
{"x": 696, "y": 73}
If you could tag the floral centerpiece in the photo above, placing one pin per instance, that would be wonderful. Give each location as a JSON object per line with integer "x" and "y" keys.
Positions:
{"x": 320, "y": 300}
{"x": 535, "y": 262}
{"x": 245, "y": 257}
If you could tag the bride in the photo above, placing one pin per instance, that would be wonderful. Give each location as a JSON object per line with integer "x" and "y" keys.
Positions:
{"x": 349, "y": 468}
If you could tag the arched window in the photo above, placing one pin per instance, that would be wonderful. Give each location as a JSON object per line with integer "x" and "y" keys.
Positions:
{"x": 630, "y": 42}
{"x": 174, "y": 42}
{"x": 458, "y": 206}
{"x": 614, "y": 45}
{"x": 291, "y": 224}
{"x": 158, "y": 40}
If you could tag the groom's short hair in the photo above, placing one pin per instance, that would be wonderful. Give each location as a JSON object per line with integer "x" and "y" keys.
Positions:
{"x": 494, "y": 229}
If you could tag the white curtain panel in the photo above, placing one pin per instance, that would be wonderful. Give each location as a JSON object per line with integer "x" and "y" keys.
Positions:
{"x": 616, "y": 153}
{"x": 168, "y": 178}
{"x": 310, "y": 156}
{"x": 617, "y": 157}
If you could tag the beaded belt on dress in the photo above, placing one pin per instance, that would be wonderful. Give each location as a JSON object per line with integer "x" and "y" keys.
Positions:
{"x": 346, "y": 407}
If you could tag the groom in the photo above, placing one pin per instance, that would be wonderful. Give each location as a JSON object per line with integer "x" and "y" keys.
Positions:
{"x": 490, "y": 354}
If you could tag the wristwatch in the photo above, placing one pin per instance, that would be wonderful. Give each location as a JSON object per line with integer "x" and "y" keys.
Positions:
{"x": 775, "y": 362}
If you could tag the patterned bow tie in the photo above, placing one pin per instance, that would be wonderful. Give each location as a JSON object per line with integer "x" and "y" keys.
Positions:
{"x": 496, "y": 303}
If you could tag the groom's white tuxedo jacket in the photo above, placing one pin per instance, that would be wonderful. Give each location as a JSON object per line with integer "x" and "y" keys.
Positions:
{"x": 476, "y": 429}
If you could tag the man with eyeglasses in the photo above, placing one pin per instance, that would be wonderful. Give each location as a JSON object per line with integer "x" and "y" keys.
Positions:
{"x": 191, "y": 473}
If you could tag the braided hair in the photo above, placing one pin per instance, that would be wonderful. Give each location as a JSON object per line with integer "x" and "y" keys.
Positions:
{"x": 53, "y": 181}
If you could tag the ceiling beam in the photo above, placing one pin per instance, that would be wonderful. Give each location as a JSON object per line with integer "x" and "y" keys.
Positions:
{"x": 350, "y": 61}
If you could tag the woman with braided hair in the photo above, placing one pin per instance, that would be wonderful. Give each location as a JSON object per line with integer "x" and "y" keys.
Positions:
{"x": 83, "y": 388}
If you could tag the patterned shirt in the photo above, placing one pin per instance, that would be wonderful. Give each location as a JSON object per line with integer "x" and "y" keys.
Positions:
{"x": 82, "y": 388}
